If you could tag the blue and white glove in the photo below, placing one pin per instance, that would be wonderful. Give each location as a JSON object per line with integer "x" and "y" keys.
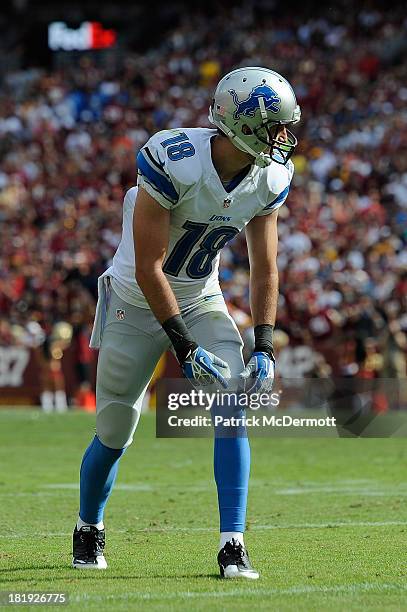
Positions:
{"x": 258, "y": 375}
{"x": 199, "y": 368}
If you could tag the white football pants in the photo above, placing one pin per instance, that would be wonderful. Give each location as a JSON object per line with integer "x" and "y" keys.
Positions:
{"x": 133, "y": 342}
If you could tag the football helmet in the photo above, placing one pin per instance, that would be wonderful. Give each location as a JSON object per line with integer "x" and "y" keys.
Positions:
{"x": 250, "y": 106}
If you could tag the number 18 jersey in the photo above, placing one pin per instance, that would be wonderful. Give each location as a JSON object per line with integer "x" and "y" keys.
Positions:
{"x": 175, "y": 167}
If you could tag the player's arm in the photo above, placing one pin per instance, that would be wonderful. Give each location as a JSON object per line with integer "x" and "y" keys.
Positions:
{"x": 262, "y": 243}
{"x": 151, "y": 227}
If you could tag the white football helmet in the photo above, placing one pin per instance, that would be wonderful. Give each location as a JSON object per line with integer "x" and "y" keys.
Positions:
{"x": 250, "y": 105}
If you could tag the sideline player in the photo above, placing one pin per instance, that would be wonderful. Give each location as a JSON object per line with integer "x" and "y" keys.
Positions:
{"x": 197, "y": 188}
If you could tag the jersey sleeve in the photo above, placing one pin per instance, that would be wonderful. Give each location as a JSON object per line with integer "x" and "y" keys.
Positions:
{"x": 278, "y": 187}
{"x": 167, "y": 170}
{"x": 153, "y": 175}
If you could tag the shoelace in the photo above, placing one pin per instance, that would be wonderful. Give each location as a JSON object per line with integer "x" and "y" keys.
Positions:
{"x": 238, "y": 550}
{"x": 92, "y": 543}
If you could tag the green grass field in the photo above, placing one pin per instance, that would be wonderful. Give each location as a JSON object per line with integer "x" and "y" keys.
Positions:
{"x": 327, "y": 521}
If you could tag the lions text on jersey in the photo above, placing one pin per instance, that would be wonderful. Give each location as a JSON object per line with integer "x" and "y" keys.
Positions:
{"x": 175, "y": 168}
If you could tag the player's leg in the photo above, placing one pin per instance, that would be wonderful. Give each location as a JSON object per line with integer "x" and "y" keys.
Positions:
{"x": 132, "y": 344}
{"x": 214, "y": 329}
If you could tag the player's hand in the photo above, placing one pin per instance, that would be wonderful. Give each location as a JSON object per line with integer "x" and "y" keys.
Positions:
{"x": 200, "y": 368}
{"x": 258, "y": 375}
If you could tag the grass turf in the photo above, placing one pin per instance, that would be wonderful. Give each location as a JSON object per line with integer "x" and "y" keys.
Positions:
{"x": 327, "y": 521}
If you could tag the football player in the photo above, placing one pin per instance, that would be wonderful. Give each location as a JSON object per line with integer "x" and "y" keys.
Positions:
{"x": 197, "y": 188}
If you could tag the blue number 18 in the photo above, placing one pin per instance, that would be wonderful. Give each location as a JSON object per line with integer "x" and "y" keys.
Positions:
{"x": 200, "y": 264}
{"x": 180, "y": 147}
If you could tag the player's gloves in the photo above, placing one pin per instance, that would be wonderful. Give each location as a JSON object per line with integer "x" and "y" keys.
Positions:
{"x": 199, "y": 368}
{"x": 198, "y": 365}
{"x": 258, "y": 375}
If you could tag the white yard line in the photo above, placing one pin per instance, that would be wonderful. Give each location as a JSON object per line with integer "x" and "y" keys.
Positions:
{"x": 357, "y": 489}
{"x": 74, "y": 486}
{"x": 340, "y": 491}
{"x": 49, "y": 534}
{"x": 328, "y": 525}
{"x": 246, "y": 592}
{"x": 174, "y": 528}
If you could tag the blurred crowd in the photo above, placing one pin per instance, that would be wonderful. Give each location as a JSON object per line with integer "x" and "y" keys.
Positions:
{"x": 68, "y": 139}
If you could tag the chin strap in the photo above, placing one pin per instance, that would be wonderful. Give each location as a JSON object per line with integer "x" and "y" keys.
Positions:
{"x": 260, "y": 159}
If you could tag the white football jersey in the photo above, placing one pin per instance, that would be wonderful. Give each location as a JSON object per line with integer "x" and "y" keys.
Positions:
{"x": 175, "y": 168}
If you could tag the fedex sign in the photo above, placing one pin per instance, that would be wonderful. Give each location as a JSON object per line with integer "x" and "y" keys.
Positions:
{"x": 89, "y": 35}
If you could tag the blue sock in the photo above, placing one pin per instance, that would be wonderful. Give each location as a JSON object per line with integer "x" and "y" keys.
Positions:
{"x": 232, "y": 469}
{"x": 98, "y": 474}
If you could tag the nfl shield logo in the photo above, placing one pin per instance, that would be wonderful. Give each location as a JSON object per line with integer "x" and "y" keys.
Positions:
{"x": 226, "y": 202}
{"x": 120, "y": 314}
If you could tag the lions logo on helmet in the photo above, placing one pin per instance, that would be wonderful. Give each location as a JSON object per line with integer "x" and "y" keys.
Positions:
{"x": 250, "y": 105}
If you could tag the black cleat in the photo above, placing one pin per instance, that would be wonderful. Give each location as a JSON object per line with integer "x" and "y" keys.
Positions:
{"x": 234, "y": 562}
{"x": 88, "y": 546}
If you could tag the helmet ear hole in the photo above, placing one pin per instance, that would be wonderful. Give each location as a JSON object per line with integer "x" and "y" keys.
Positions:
{"x": 246, "y": 130}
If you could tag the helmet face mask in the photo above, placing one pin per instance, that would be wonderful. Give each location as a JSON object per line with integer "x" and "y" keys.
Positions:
{"x": 251, "y": 106}
{"x": 280, "y": 150}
